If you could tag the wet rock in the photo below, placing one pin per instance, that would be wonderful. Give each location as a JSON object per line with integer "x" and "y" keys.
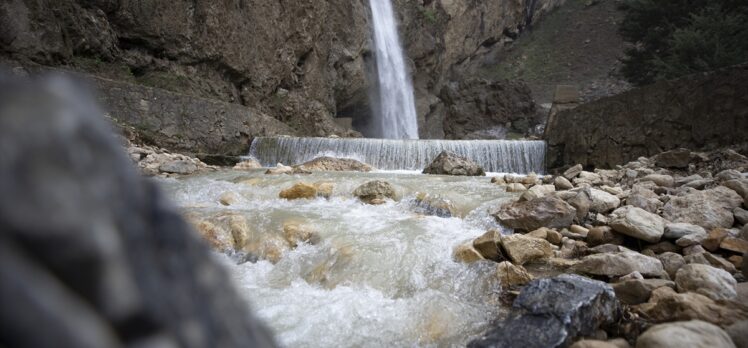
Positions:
{"x": 324, "y": 189}
{"x": 573, "y": 172}
{"x": 218, "y": 238}
{"x": 465, "y": 253}
{"x": 706, "y": 280}
{"x": 678, "y": 158}
{"x": 636, "y": 291}
{"x": 449, "y": 163}
{"x": 516, "y": 187}
{"x": 239, "y": 229}
{"x": 695, "y": 333}
{"x": 659, "y": 180}
{"x": 183, "y": 167}
{"x": 737, "y": 245}
{"x": 620, "y": 264}
{"x": 552, "y": 312}
{"x": 666, "y": 305}
{"x": 562, "y": 183}
{"x": 280, "y": 169}
{"x": 488, "y": 245}
{"x": 603, "y": 235}
{"x": 332, "y": 164}
{"x": 296, "y": 233}
{"x": 512, "y": 275}
{"x": 540, "y": 212}
{"x": 522, "y": 249}
{"x": 271, "y": 248}
{"x": 428, "y": 204}
{"x": 248, "y": 164}
{"x": 375, "y": 192}
{"x": 638, "y": 223}
{"x": 603, "y": 202}
{"x": 299, "y": 191}
{"x": 229, "y": 198}
{"x": 709, "y": 209}
{"x": 537, "y": 191}
{"x": 679, "y": 230}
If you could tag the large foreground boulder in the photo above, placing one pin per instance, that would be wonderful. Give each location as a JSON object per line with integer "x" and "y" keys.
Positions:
{"x": 449, "y": 163}
{"x": 547, "y": 211}
{"x": 91, "y": 254}
{"x": 552, "y": 312}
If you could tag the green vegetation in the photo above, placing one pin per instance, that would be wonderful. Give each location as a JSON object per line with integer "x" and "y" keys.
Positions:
{"x": 672, "y": 38}
{"x": 429, "y": 14}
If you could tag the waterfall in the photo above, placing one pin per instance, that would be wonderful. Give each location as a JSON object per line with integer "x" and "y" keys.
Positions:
{"x": 395, "y": 110}
{"x": 506, "y": 156}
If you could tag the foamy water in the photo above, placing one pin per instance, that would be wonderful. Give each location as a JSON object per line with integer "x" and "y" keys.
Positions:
{"x": 381, "y": 275}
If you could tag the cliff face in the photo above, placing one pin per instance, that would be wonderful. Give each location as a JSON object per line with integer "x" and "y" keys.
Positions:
{"x": 698, "y": 112}
{"x": 303, "y": 62}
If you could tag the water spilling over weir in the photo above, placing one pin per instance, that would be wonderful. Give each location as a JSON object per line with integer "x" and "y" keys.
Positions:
{"x": 505, "y": 156}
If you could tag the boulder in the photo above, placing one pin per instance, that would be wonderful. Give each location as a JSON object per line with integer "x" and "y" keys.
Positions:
{"x": 552, "y": 312}
{"x": 741, "y": 215}
{"x": 706, "y": 280}
{"x": 714, "y": 238}
{"x": 617, "y": 264}
{"x": 679, "y": 229}
{"x": 659, "y": 180}
{"x": 671, "y": 262}
{"x": 573, "y": 172}
{"x": 709, "y": 209}
{"x": 218, "y": 238}
{"x": 488, "y": 245}
{"x": 678, "y": 158}
{"x": 324, "y": 189}
{"x": 562, "y": 183}
{"x": 740, "y": 186}
{"x": 707, "y": 258}
{"x": 516, "y": 187}
{"x": 582, "y": 202}
{"x": 693, "y": 334}
{"x": 375, "y": 192}
{"x": 666, "y": 305}
{"x": 638, "y": 223}
{"x": 692, "y": 239}
{"x": 465, "y": 253}
{"x": 299, "y": 191}
{"x": 280, "y": 169}
{"x": 449, "y": 163}
{"x": 238, "y": 227}
{"x": 738, "y": 332}
{"x": 512, "y": 275}
{"x": 540, "y": 212}
{"x": 737, "y": 245}
{"x": 603, "y": 235}
{"x": 644, "y": 198}
{"x": 248, "y": 164}
{"x": 522, "y": 249}
{"x": 332, "y": 164}
{"x": 537, "y": 191}
{"x": 636, "y": 291}
{"x": 183, "y": 167}
{"x": 429, "y": 204}
{"x": 296, "y": 233}
{"x": 603, "y": 202}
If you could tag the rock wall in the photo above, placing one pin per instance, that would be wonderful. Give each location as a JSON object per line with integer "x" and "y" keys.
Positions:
{"x": 703, "y": 111}
{"x": 302, "y": 62}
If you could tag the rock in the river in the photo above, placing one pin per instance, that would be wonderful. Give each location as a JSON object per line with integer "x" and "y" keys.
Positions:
{"x": 375, "y": 192}
{"x": 679, "y": 229}
{"x": 218, "y": 238}
{"x": 706, "y": 280}
{"x": 248, "y": 164}
{"x": 537, "y": 191}
{"x": 299, "y": 191}
{"x": 488, "y": 245}
{"x": 332, "y": 164}
{"x": 279, "y": 169}
{"x": 620, "y": 264}
{"x": 511, "y": 275}
{"x": 540, "y": 212}
{"x": 465, "y": 253}
{"x": 638, "y": 223}
{"x": 552, "y": 312}
{"x": 692, "y": 334}
{"x": 678, "y": 158}
{"x": 92, "y": 254}
{"x": 229, "y": 198}
{"x": 636, "y": 291}
{"x": 709, "y": 209}
{"x": 449, "y": 163}
{"x": 183, "y": 167}
{"x": 296, "y": 233}
{"x": 429, "y": 204}
{"x": 522, "y": 249}
{"x": 324, "y": 189}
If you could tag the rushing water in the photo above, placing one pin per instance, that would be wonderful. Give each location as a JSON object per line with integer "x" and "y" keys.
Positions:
{"x": 381, "y": 276}
{"x": 395, "y": 111}
{"x": 505, "y": 156}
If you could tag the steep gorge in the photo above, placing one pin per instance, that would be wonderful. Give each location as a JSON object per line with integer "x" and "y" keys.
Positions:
{"x": 312, "y": 67}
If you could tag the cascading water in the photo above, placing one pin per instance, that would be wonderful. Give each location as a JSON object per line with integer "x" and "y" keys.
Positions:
{"x": 505, "y": 156}
{"x": 395, "y": 111}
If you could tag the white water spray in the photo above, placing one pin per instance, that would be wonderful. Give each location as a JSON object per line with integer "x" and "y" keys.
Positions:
{"x": 395, "y": 111}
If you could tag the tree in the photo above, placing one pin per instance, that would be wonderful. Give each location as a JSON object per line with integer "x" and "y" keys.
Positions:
{"x": 672, "y": 38}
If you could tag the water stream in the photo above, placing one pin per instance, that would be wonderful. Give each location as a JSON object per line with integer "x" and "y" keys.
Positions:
{"x": 395, "y": 110}
{"x": 381, "y": 276}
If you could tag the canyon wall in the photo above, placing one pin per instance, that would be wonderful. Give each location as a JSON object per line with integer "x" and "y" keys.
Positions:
{"x": 698, "y": 112}
{"x": 302, "y": 62}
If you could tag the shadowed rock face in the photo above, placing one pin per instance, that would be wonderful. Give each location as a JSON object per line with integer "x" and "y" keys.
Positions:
{"x": 91, "y": 254}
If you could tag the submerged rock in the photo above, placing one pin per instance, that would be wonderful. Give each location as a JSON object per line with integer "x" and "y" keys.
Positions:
{"x": 449, "y": 163}
{"x": 547, "y": 211}
{"x": 552, "y": 312}
{"x": 332, "y": 164}
{"x": 375, "y": 192}
{"x": 693, "y": 334}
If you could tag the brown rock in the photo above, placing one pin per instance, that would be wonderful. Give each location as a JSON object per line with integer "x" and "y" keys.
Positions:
{"x": 511, "y": 275}
{"x": 603, "y": 235}
{"x": 488, "y": 245}
{"x": 296, "y": 234}
{"x": 540, "y": 212}
{"x": 229, "y": 198}
{"x": 554, "y": 237}
{"x": 332, "y": 164}
{"x": 299, "y": 191}
{"x": 671, "y": 262}
{"x": 665, "y": 305}
{"x": 636, "y": 291}
{"x": 522, "y": 249}
{"x": 734, "y": 244}
{"x": 375, "y": 192}
{"x": 465, "y": 253}
{"x": 709, "y": 209}
{"x": 714, "y": 239}
{"x": 618, "y": 264}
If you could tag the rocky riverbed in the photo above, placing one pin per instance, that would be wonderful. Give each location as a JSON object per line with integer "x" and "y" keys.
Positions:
{"x": 604, "y": 258}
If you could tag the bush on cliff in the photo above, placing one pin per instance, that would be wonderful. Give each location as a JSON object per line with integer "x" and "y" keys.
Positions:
{"x": 672, "y": 38}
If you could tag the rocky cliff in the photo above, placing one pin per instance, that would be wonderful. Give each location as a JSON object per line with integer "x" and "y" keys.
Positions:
{"x": 703, "y": 111}
{"x": 302, "y": 62}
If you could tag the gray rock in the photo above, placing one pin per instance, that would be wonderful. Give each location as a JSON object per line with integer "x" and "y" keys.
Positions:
{"x": 449, "y": 163}
{"x": 537, "y": 191}
{"x": 637, "y": 291}
{"x": 644, "y": 198}
{"x": 562, "y": 183}
{"x": 573, "y": 172}
{"x": 679, "y": 229}
{"x": 706, "y": 280}
{"x": 691, "y": 239}
{"x": 603, "y": 202}
{"x": 678, "y": 158}
{"x": 671, "y": 262}
{"x": 659, "y": 180}
{"x": 540, "y": 212}
{"x": 738, "y": 332}
{"x": 638, "y": 223}
{"x": 692, "y": 334}
{"x": 728, "y": 174}
{"x": 552, "y": 312}
{"x": 183, "y": 167}
{"x": 375, "y": 192}
{"x": 618, "y": 264}
{"x": 685, "y": 180}
{"x": 709, "y": 209}
{"x": 741, "y": 215}
{"x": 582, "y": 202}
{"x": 92, "y": 254}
